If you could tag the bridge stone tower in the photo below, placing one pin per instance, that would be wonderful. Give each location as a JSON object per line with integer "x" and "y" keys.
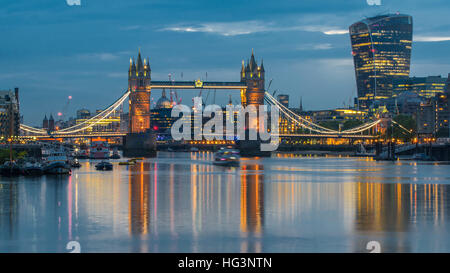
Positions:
{"x": 253, "y": 75}
{"x": 140, "y": 140}
{"x": 139, "y": 84}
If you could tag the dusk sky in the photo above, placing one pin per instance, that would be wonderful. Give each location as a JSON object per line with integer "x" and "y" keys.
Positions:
{"x": 51, "y": 50}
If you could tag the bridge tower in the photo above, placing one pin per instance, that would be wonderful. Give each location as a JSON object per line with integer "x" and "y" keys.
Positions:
{"x": 140, "y": 140}
{"x": 253, "y": 75}
{"x": 139, "y": 84}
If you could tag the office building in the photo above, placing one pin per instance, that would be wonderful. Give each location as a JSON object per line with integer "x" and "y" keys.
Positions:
{"x": 426, "y": 119}
{"x": 426, "y": 87}
{"x": 9, "y": 113}
{"x": 284, "y": 100}
{"x": 381, "y": 49}
{"x": 83, "y": 114}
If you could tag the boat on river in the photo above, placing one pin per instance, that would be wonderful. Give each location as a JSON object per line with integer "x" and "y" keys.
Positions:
{"x": 227, "y": 157}
{"x": 57, "y": 163}
{"x": 33, "y": 169}
{"x": 104, "y": 166}
{"x": 10, "y": 168}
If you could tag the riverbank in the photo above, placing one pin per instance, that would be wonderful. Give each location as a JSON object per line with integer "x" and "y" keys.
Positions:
{"x": 317, "y": 153}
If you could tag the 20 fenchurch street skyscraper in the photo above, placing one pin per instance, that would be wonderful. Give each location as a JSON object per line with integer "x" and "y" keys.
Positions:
{"x": 381, "y": 48}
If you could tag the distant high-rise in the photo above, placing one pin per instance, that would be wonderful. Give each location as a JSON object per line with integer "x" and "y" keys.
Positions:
{"x": 83, "y": 114}
{"x": 9, "y": 113}
{"x": 284, "y": 100}
{"x": 427, "y": 87}
{"x": 381, "y": 48}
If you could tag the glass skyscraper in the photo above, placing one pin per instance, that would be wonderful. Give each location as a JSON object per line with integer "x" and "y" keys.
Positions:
{"x": 381, "y": 48}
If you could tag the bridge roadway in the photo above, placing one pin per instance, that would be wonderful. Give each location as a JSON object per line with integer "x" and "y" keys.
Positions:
{"x": 120, "y": 134}
{"x": 197, "y": 85}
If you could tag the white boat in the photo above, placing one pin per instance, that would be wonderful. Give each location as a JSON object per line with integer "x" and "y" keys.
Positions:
{"x": 99, "y": 150}
{"x": 57, "y": 163}
{"x": 115, "y": 154}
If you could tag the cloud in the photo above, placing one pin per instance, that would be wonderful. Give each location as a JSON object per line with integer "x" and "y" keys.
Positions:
{"x": 103, "y": 56}
{"x": 336, "y": 32}
{"x": 325, "y": 46}
{"x": 420, "y": 38}
{"x": 334, "y": 62}
{"x": 250, "y": 27}
{"x": 324, "y": 29}
{"x": 225, "y": 29}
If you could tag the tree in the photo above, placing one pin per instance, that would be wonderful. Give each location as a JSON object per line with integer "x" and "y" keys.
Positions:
{"x": 408, "y": 123}
{"x": 351, "y": 123}
{"x": 333, "y": 124}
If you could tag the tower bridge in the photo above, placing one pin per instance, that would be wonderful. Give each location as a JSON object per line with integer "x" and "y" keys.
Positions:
{"x": 140, "y": 84}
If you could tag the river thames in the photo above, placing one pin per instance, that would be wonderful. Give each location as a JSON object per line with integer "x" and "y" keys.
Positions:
{"x": 180, "y": 202}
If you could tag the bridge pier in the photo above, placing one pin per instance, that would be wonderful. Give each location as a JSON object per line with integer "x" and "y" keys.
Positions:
{"x": 139, "y": 145}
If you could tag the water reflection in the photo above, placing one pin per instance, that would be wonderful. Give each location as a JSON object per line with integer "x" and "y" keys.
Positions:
{"x": 139, "y": 193}
{"x": 183, "y": 203}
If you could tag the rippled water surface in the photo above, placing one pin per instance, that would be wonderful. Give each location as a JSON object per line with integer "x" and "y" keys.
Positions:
{"x": 180, "y": 202}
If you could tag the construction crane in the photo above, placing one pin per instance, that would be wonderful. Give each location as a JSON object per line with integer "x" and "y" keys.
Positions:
{"x": 207, "y": 96}
{"x": 270, "y": 83}
{"x": 63, "y": 113}
{"x": 177, "y": 100}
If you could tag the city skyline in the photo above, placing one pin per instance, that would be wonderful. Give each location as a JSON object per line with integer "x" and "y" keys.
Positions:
{"x": 301, "y": 50}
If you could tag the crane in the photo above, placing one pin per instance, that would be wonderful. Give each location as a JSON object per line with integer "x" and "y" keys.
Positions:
{"x": 177, "y": 101}
{"x": 66, "y": 108}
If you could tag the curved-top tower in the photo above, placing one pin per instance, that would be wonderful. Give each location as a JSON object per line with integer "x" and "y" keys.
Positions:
{"x": 381, "y": 48}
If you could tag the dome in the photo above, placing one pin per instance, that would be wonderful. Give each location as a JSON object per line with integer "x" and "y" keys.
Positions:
{"x": 163, "y": 102}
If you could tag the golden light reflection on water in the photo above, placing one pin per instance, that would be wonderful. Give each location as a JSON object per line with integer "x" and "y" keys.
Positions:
{"x": 139, "y": 198}
{"x": 185, "y": 200}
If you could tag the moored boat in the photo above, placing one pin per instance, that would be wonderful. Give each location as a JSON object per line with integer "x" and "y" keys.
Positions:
{"x": 99, "y": 150}
{"x": 104, "y": 166}
{"x": 82, "y": 154}
{"x": 33, "y": 169}
{"x": 227, "y": 157}
{"x": 115, "y": 154}
{"x": 57, "y": 163}
{"x": 129, "y": 162}
{"x": 75, "y": 164}
{"x": 10, "y": 168}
